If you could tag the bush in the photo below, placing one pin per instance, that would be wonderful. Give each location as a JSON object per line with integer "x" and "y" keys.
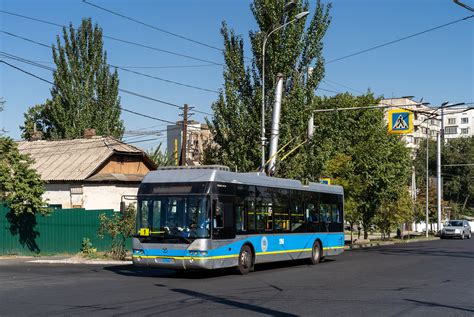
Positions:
{"x": 86, "y": 247}
{"x": 120, "y": 227}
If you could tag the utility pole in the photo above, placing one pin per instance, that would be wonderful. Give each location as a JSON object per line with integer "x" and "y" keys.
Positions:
{"x": 183, "y": 159}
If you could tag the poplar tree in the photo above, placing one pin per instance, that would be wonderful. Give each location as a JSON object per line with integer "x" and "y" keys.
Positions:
{"x": 85, "y": 91}
{"x": 296, "y": 52}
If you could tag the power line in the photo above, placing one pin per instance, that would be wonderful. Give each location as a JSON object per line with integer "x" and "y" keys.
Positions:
{"x": 117, "y": 39}
{"x": 165, "y": 80}
{"x": 115, "y": 66}
{"x": 122, "y": 108}
{"x": 400, "y": 39}
{"x": 152, "y": 26}
{"x": 24, "y": 71}
{"x": 342, "y": 85}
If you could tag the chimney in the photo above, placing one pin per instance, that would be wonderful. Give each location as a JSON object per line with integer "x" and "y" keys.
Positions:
{"x": 36, "y": 136}
{"x": 89, "y": 133}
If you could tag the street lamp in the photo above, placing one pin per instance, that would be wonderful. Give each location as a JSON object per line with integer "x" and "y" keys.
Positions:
{"x": 297, "y": 17}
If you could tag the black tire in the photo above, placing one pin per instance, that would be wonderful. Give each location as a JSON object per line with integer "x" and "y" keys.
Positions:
{"x": 469, "y": 236}
{"x": 462, "y": 236}
{"x": 316, "y": 253}
{"x": 245, "y": 260}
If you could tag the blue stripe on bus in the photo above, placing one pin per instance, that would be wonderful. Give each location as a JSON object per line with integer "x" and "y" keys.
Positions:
{"x": 276, "y": 243}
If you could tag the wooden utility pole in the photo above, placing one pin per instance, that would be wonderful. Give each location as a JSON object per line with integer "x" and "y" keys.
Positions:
{"x": 183, "y": 158}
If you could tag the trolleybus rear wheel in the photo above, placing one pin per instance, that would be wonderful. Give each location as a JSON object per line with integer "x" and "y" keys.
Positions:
{"x": 316, "y": 253}
{"x": 245, "y": 260}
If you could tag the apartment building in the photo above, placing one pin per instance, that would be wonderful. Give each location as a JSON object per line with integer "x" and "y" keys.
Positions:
{"x": 458, "y": 122}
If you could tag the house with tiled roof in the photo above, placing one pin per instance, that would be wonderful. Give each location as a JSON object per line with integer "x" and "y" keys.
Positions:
{"x": 91, "y": 173}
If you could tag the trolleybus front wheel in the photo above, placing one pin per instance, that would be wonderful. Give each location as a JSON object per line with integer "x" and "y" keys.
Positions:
{"x": 245, "y": 260}
{"x": 316, "y": 253}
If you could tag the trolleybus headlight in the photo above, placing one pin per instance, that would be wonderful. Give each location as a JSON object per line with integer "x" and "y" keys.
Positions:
{"x": 204, "y": 253}
{"x": 138, "y": 251}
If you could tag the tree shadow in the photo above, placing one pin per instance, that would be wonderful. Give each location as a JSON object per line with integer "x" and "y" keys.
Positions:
{"x": 24, "y": 226}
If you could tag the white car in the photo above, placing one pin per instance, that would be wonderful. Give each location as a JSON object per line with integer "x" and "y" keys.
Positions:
{"x": 456, "y": 228}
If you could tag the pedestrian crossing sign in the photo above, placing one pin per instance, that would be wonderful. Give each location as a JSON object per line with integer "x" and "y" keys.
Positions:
{"x": 400, "y": 121}
{"x": 326, "y": 180}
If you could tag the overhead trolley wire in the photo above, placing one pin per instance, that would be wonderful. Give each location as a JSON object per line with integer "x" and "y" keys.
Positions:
{"x": 162, "y": 79}
{"x": 115, "y": 66}
{"x": 50, "y": 82}
{"x": 400, "y": 39}
{"x": 23, "y": 60}
{"x": 152, "y": 26}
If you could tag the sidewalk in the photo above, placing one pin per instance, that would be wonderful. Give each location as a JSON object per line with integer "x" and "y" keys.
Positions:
{"x": 62, "y": 259}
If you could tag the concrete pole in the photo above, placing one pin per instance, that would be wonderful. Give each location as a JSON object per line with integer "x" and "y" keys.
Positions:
{"x": 275, "y": 132}
{"x": 438, "y": 178}
{"x": 427, "y": 178}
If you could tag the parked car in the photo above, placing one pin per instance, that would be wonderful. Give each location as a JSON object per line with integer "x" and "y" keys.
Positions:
{"x": 456, "y": 228}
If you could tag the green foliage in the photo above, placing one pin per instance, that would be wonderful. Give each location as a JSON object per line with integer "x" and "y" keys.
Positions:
{"x": 20, "y": 185}
{"x": 159, "y": 157}
{"x": 291, "y": 51}
{"x": 459, "y": 180}
{"x": 85, "y": 92}
{"x": 120, "y": 227}
{"x": 458, "y": 185}
{"x": 354, "y": 148}
{"x": 87, "y": 248}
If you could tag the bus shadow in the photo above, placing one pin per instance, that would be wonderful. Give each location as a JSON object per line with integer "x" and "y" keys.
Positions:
{"x": 130, "y": 270}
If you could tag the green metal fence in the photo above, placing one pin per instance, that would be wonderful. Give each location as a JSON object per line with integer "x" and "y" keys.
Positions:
{"x": 60, "y": 232}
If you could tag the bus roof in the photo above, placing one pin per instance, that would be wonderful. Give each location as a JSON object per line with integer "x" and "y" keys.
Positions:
{"x": 192, "y": 175}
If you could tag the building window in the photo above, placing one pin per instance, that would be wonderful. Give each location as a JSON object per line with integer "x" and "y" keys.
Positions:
{"x": 465, "y": 130}
{"x": 451, "y": 130}
{"x": 452, "y": 121}
{"x": 76, "y": 190}
{"x": 464, "y": 120}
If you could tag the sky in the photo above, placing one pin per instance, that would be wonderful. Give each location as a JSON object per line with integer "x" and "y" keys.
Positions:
{"x": 437, "y": 66}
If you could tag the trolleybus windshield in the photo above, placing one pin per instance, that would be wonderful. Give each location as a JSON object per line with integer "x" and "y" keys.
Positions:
{"x": 171, "y": 216}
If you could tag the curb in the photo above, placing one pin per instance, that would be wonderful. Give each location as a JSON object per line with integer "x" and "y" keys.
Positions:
{"x": 73, "y": 261}
{"x": 384, "y": 243}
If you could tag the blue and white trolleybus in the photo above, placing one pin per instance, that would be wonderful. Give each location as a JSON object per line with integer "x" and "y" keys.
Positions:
{"x": 209, "y": 217}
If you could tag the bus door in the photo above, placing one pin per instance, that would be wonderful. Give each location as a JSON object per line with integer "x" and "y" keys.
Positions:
{"x": 223, "y": 218}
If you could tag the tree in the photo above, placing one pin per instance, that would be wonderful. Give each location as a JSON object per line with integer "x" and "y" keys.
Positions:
{"x": 20, "y": 185}
{"x": 458, "y": 187}
{"x": 458, "y": 175}
{"x": 355, "y": 150}
{"x": 160, "y": 158}
{"x": 85, "y": 92}
{"x": 21, "y": 189}
{"x": 295, "y": 52}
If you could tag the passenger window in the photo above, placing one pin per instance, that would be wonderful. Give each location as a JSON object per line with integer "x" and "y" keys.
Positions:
{"x": 297, "y": 217}
{"x": 219, "y": 216}
{"x": 250, "y": 210}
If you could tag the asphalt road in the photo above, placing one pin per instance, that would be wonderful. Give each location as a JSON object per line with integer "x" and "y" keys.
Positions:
{"x": 432, "y": 278}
